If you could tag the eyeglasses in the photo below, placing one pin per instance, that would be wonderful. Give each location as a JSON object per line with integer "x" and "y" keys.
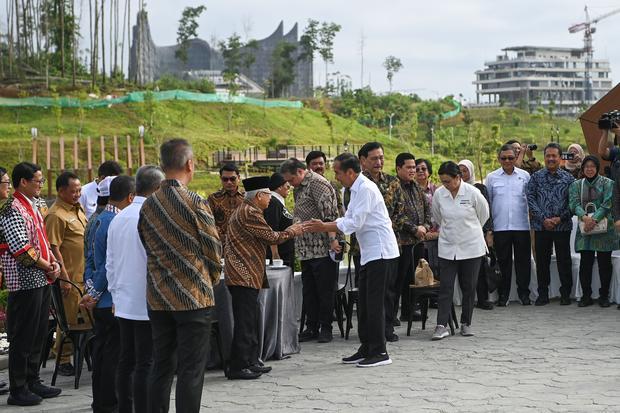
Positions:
{"x": 40, "y": 182}
{"x": 507, "y": 158}
{"x": 421, "y": 169}
{"x": 228, "y": 178}
{"x": 6, "y": 182}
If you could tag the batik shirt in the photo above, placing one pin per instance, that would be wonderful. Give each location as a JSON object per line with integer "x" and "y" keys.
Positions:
{"x": 547, "y": 197}
{"x": 417, "y": 213}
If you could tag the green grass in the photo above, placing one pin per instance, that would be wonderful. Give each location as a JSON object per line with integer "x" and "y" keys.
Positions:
{"x": 206, "y": 126}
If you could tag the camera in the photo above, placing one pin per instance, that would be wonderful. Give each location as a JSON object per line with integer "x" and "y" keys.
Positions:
{"x": 532, "y": 147}
{"x": 609, "y": 120}
{"x": 339, "y": 256}
{"x": 568, "y": 156}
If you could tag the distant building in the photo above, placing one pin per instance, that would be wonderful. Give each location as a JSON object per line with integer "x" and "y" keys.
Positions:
{"x": 148, "y": 62}
{"x": 529, "y": 76}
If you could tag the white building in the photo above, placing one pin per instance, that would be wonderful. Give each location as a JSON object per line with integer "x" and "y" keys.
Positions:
{"x": 529, "y": 76}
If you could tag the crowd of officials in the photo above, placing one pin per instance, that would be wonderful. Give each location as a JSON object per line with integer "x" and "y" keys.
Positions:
{"x": 142, "y": 255}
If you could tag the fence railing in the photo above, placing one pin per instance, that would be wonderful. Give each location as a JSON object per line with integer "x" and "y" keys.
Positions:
{"x": 56, "y": 162}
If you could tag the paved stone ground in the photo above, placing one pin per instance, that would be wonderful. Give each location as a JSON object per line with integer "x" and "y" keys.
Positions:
{"x": 522, "y": 359}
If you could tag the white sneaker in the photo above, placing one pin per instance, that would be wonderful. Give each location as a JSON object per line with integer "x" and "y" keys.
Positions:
{"x": 466, "y": 330}
{"x": 440, "y": 332}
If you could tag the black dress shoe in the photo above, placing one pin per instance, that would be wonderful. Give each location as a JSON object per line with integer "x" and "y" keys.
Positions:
{"x": 43, "y": 391}
{"x": 565, "y": 301}
{"x": 23, "y": 397}
{"x": 260, "y": 369}
{"x": 525, "y": 300}
{"x": 585, "y": 302}
{"x": 540, "y": 301}
{"x": 485, "y": 305}
{"x": 392, "y": 338}
{"x": 604, "y": 302}
{"x": 243, "y": 374}
{"x": 66, "y": 369}
{"x": 396, "y": 322}
{"x": 308, "y": 335}
{"x": 325, "y": 336}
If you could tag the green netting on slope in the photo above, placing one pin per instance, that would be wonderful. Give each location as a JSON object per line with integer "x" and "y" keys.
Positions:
{"x": 68, "y": 102}
{"x": 452, "y": 113}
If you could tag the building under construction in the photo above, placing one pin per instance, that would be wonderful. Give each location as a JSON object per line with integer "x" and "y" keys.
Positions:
{"x": 530, "y": 76}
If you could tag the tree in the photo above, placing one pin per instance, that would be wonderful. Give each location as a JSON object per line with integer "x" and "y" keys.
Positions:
{"x": 392, "y": 64}
{"x": 282, "y": 68}
{"x": 326, "y": 35}
{"x": 237, "y": 56}
{"x": 188, "y": 26}
{"x": 309, "y": 44}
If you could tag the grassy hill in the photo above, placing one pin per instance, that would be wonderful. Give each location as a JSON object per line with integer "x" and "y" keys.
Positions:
{"x": 210, "y": 127}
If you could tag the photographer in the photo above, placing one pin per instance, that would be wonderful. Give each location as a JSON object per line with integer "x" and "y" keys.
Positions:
{"x": 530, "y": 164}
{"x": 572, "y": 160}
{"x": 607, "y": 150}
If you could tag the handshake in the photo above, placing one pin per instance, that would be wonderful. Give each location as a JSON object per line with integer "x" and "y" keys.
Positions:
{"x": 316, "y": 225}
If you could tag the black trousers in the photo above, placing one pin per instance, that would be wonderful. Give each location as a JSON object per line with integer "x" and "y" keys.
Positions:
{"x": 392, "y": 291}
{"x": 134, "y": 365}
{"x": 543, "y": 241}
{"x": 521, "y": 243}
{"x": 244, "y": 348}
{"x": 27, "y": 319}
{"x": 604, "y": 272}
{"x": 106, "y": 349}
{"x": 181, "y": 345}
{"x": 319, "y": 277}
{"x": 371, "y": 324}
{"x": 467, "y": 271}
{"x": 407, "y": 262}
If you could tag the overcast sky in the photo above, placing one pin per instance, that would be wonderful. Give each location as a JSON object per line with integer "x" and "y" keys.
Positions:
{"x": 441, "y": 43}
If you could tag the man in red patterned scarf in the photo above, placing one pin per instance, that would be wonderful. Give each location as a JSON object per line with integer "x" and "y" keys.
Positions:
{"x": 29, "y": 267}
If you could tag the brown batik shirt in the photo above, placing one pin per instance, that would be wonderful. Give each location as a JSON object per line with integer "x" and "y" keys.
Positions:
{"x": 315, "y": 198}
{"x": 223, "y": 204}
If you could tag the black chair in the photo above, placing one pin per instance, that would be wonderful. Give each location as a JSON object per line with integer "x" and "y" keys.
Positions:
{"x": 49, "y": 341}
{"x": 423, "y": 295}
{"x": 79, "y": 335}
{"x": 352, "y": 299}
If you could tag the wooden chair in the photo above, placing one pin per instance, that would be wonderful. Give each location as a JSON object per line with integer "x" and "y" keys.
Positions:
{"x": 79, "y": 335}
{"x": 423, "y": 295}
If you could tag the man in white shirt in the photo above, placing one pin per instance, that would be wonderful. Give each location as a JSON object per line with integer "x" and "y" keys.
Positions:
{"x": 88, "y": 199}
{"x": 511, "y": 225}
{"x": 368, "y": 218}
{"x": 126, "y": 274}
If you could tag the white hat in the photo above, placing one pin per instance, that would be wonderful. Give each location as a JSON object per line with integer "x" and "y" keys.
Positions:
{"x": 103, "y": 189}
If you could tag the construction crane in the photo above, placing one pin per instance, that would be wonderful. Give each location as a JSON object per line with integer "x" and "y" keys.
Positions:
{"x": 588, "y": 29}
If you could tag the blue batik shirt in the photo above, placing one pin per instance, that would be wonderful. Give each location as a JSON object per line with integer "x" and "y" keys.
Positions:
{"x": 547, "y": 197}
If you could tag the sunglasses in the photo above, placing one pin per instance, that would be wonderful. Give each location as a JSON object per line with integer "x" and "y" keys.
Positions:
{"x": 228, "y": 178}
{"x": 507, "y": 158}
{"x": 421, "y": 169}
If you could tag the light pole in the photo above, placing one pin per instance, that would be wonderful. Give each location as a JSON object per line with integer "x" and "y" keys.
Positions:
{"x": 391, "y": 126}
{"x": 432, "y": 141}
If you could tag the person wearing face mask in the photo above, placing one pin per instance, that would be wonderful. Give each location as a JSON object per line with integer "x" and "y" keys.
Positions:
{"x": 573, "y": 166}
{"x": 598, "y": 190}
{"x": 551, "y": 219}
{"x": 482, "y": 289}
{"x": 461, "y": 211}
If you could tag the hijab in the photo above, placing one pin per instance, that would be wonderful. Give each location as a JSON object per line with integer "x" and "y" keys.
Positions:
{"x": 571, "y": 165}
{"x": 470, "y": 167}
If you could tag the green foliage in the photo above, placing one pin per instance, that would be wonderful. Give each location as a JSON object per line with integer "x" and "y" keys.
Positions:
{"x": 237, "y": 55}
{"x": 308, "y": 41}
{"x": 57, "y": 112}
{"x": 188, "y": 28}
{"x": 392, "y": 65}
{"x": 169, "y": 82}
{"x": 282, "y": 68}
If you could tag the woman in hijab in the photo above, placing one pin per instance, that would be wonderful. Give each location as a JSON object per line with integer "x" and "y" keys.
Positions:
{"x": 573, "y": 166}
{"x": 590, "y": 198}
{"x": 482, "y": 289}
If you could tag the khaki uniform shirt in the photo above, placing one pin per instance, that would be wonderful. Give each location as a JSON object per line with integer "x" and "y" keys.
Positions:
{"x": 65, "y": 225}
